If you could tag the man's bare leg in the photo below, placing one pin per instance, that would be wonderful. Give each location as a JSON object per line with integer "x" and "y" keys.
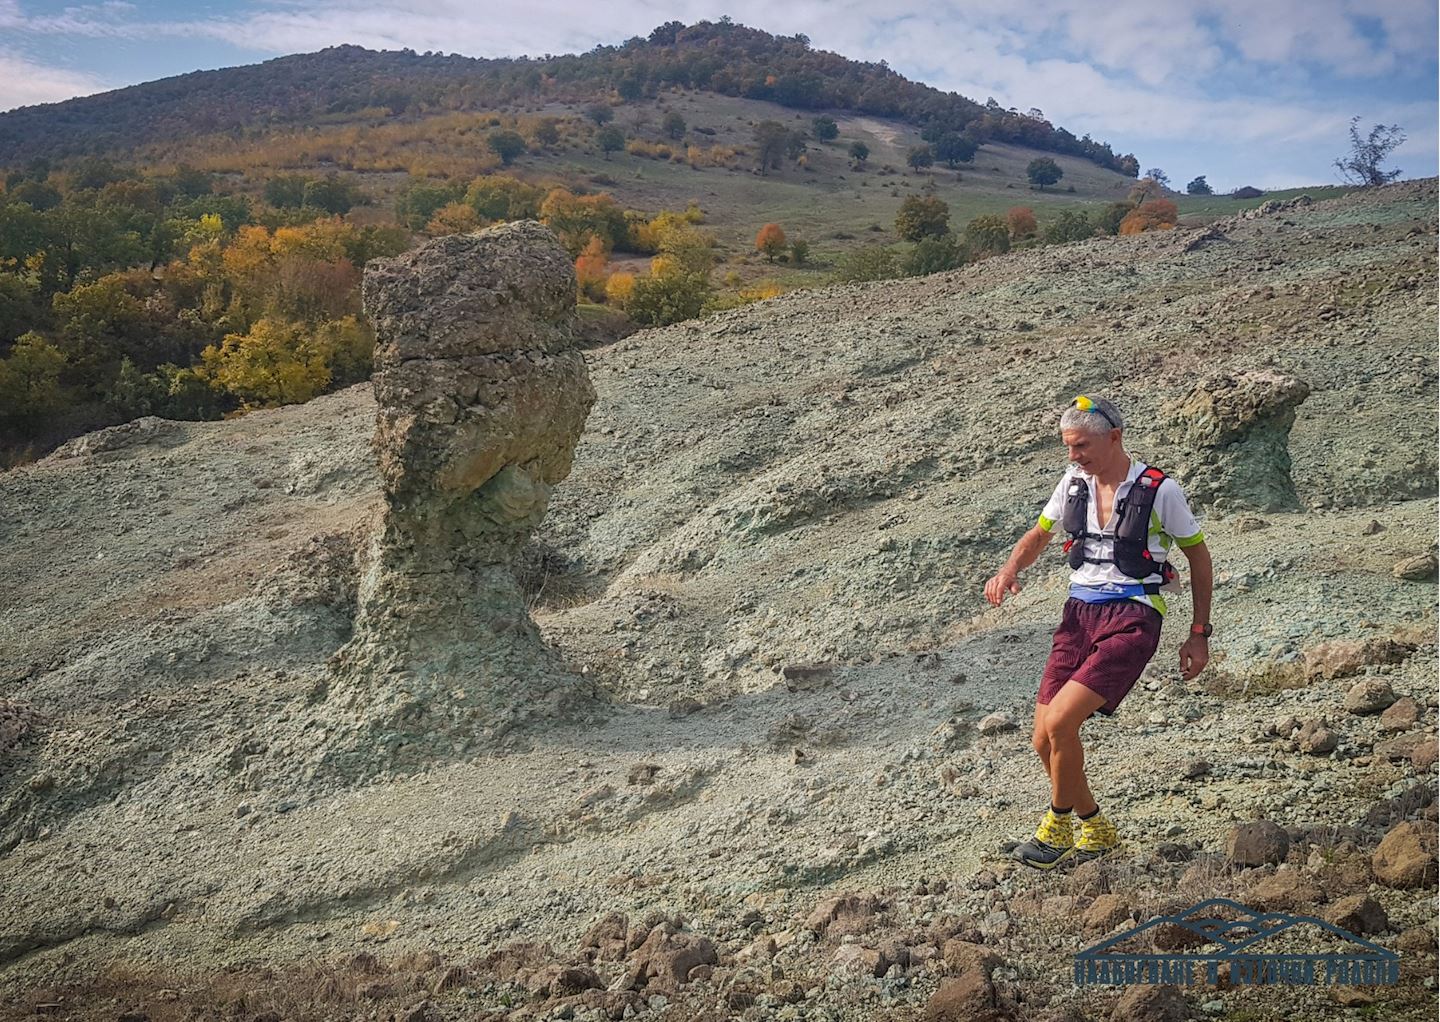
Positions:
{"x": 1069, "y": 708}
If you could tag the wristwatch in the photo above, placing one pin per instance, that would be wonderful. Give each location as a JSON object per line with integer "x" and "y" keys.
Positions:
{"x": 1206, "y": 629}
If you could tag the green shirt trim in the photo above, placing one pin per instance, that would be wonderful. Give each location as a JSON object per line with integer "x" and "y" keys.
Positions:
{"x": 1189, "y": 541}
{"x": 1046, "y": 524}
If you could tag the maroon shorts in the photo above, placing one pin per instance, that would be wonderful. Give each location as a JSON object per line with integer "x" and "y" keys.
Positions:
{"x": 1103, "y": 646}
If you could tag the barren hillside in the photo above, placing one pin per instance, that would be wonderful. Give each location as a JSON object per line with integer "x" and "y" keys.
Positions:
{"x": 821, "y": 482}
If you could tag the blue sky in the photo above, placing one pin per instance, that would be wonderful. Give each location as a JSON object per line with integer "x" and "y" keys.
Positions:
{"x": 1244, "y": 91}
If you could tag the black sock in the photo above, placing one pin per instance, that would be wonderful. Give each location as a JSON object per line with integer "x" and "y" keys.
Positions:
{"x": 1086, "y": 816}
{"x": 1057, "y": 811}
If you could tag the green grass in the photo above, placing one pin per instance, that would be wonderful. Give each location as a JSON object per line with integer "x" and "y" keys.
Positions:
{"x": 1203, "y": 208}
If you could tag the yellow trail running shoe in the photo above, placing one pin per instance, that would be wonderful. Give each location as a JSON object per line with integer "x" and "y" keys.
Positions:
{"x": 1097, "y": 837}
{"x": 1053, "y": 843}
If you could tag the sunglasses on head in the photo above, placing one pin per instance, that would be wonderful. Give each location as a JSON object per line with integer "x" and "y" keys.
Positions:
{"x": 1086, "y": 405}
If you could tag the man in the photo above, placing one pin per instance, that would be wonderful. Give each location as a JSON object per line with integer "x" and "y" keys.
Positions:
{"x": 1123, "y": 518}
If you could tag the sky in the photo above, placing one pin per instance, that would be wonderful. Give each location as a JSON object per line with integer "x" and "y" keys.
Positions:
{"x": 1256, "y": 92}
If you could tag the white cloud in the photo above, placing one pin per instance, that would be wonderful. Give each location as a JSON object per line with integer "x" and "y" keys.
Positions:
{"x": 25, "y": 82}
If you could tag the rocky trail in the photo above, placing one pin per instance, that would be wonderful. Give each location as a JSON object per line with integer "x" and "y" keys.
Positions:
{"x": 793, "y": 750}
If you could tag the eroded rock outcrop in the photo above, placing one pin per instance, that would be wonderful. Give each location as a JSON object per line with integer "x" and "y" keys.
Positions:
{"x": 1235, "y": 430}
{"x": 482, "y": 398}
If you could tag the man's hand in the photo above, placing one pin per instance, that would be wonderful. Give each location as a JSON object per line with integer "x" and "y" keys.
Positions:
{"x": 1194, "y": 655}
{"x": 1004, "y": 582}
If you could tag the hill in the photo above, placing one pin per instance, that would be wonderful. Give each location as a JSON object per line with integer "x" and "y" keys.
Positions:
{"x": 720, "y": 57}
{"x": 768, "y": 555}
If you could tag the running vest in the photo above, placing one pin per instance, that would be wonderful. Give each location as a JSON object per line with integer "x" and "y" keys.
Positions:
{"x": 1132, "y": 528}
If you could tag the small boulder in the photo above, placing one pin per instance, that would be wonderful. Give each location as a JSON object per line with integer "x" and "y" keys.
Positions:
{"x": 1406, "y": 856}
{"x": 997, "y": 723}
{"x": 967, "y": 956}
{"x": 1402, "y": 715}
{"x": 1315, "y": 738}
{"x": 1196, "y": 768}
{"x": 865, "y": 961}
{"x": 1284, "y": 890}
{"x": 1342, "y": 658}
{"x": 1256, "y": 844}
{"x": 1420, "y": 568}
{"x": 968, "y": 997}
{"x": 1151, "y": 1003}
{"x": 1359, "y": 913}
{"x": 843, "y": 914}
{"x": 1105, "y": 913}
{"x": 1424, "y": 755}
{"x": 1369, "y": 696}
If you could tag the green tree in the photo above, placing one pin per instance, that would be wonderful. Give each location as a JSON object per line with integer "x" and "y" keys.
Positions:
{"x": 1158, "y": 176}
{"x": 1199, "y": 186}
{"x": 18, "y": 313}
{"x": 922, "y": 218}
{"x": 610, "y": 139}
{"x": 1107, "y": 220}
{"x": 825, "y": 128}
{"x": 332, "y": 193}
{"x": 1043, "y": 172}
{"x": 933, "y": 255}
{"x": 799, "y": 251}
{"x": 953, "y": 148}
{"x": 920, "y": 156}
{"x": 285, "y": 191}
{"x": 506, "y": 144}
{"x": 673, "y": 125}
{"x": 547, "y": 132}
{"x": 419, "y": 199}
{"x": 772, "y": 139}
{"x": 30, "y": 389}
{"x": 658, "y": 300}
{"x": 988, "y": 234}
{"x": 600, "y": 113}
{"x": 859, "y": 152}
{"x": 1071, "y": 226}
{"x": 133, "y": 393}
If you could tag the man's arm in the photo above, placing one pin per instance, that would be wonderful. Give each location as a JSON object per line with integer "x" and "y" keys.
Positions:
{"x": 1195, "y": 650}
{"x": 1026, "y": 550}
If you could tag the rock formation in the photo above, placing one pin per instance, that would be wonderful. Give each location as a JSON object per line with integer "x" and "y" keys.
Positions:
{"x": 482, "y": 398}
{"x": 1235, "y": 430}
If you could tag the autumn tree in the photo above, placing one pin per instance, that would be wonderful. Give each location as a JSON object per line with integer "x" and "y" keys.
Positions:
{"x": 988, "y": 234}
{"x": 1021, "y": 221}
{"x": 274, "y": 363}
{"x": 1158, "y": 176}
{"x": 771, "y": 241}
{"x": 577, "y": 218}
{"x": 1147, "y": 189}
{"x": 505, "y": 144}
{"x": 1155, "y": 215}
{"x": 1361, "y": 165}
{"x": 919, "y": 157}
{"x": 1043, "y": 172}
{"x": 922, "y": 217}
{"x": 1199, "y": 186}
{"x": 591, "y": 268}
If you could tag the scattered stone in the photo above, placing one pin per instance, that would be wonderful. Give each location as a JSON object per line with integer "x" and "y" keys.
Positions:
{"x": 1351, "y": 997}
{"x": 801, "y": 678}
{"x": 1369, "y": 696}
{"x": 1250, "y": 523}
{"x": 1344, "y": 657}
{"x": 1401, "y": 748}
{"x": 1151, "y": 1003}
{"x": 1256, "y": 844}
{"x": 1421, "y": 568}
{"x": 1425, "y": 754}
{"x": 843, "y": 914}
{"x": 1358, "y": 913}
{"x": 664, "y": 961}
{"x": 1373, "y": 529}
{"x": 607, "y": 938}
{"x": 1196, "y": 768}
{"x": 684, "y": 707}
{"x": 1315, "y": 738}
{"x": 1401, "y": 715}
{"x": 642, "y": 773}
{"x": 1406, "y": 856}
{"x": 968, "y": 997}
{"x": 1106, "y": 912}
{"x": 856, "y": 958}
{"x": 997, "y": 723}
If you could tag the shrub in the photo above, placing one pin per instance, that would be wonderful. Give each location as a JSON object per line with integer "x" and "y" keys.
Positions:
{"x": 872, "y": 262}
{"x": 859, "y": 152}
{"x": 922, "y": 218}
{"x": 505, "y": 144}
{"x": 988, "y": 234}
{"x": 1108, "y": 219}
{"x": 1071, "y": 225}
{"x": 1021, "y": 221}
{"x": 934, "y": 255}
{"x": 799, "y": 251}
{"x": 1199, "y": 186}
{"x": 667, "y": 297}
{"x": 825, "y": 128}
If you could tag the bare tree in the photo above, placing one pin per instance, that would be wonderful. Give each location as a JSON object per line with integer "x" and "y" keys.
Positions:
{"x": 1362, "y": 165}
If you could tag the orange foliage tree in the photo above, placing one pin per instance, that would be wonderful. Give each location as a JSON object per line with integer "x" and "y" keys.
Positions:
{"x": 771, "y": 241}
{"x": 1021, "y": 220}
{"x": 1155, "y": 215}
{"x": 591, "y": 269}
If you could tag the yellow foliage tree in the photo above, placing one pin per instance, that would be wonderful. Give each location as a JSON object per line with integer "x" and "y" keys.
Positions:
{"x": 276, "y": 363}
{"x": 619, "y": 287}
{"x": 454, "y": 218}
{"x": 1021, "y": 221}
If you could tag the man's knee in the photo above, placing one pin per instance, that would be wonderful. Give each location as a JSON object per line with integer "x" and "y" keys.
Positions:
{"x": 1040, "y": 741}
{"x": 1062, "y": 726}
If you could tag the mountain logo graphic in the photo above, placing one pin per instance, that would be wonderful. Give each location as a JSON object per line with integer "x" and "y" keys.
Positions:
{"x": 1259, "y": 948}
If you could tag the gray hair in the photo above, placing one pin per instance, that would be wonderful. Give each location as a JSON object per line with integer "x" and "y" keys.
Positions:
{"x": 1101, "y": 417}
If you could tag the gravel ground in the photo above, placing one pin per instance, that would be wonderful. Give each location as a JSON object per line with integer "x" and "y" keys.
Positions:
{"x": 822, "y": 483}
